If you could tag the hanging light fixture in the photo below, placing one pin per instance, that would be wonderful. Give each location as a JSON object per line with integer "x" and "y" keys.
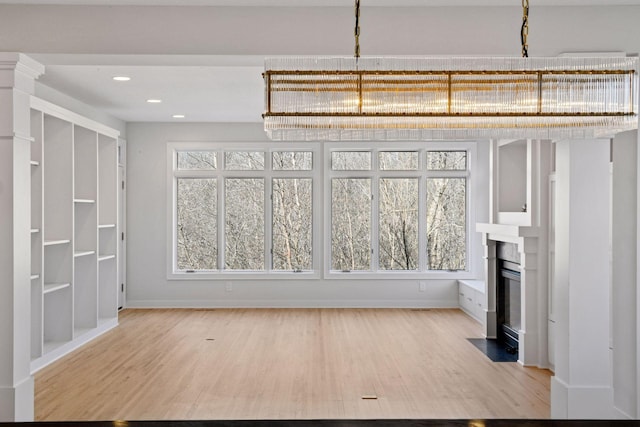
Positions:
{"x": 426, "y": 98}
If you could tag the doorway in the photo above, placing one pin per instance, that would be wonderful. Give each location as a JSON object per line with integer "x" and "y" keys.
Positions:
{"x": 122, "y": 223}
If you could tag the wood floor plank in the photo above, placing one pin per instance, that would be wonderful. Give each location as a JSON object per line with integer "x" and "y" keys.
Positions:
{"x": 288, "y": 364}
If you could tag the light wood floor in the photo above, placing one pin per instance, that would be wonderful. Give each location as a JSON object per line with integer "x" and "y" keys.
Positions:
{"x": 288, "y": 364}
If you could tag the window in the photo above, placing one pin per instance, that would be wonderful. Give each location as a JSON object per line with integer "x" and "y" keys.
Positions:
{"x": 350, "y": 224}
{"x": 244, "y": 224}
{"x": 197, "y": 224}
{"x": 398, "y": 224}
{"x": 242, "y": 210}
{"x": 388, "y": 204}
{"x": 446, "y": 211}
{"x": 400, "y": 209}
{"x": 292, "y": 224}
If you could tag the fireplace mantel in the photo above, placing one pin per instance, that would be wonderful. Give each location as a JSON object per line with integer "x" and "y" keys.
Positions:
{"x": 507, "y": 232}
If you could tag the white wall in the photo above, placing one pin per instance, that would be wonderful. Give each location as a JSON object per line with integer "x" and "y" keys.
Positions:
{"x": 147, "y": 284}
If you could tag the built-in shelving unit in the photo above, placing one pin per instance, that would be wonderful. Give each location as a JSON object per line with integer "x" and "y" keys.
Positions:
{"x": 73, "y": 231}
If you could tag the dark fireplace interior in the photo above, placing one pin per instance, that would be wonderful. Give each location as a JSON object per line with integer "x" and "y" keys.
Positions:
{"x": 508, "y": 302}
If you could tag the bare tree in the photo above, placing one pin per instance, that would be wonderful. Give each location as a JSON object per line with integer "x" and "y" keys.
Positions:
{"x": 352, "y": 207}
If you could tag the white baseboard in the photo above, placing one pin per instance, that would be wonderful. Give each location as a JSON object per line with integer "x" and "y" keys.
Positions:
{"x": 16, "y": 403}
{"x": 68, "y": 347}
{"x": 581, "y": 402}
{"x": 291, "y": 304}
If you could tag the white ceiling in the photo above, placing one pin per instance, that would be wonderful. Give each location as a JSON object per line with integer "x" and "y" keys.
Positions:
{"x": 323, "y": 3}
{"x": 200, "y": 93}
{"x": 218, "y": 87}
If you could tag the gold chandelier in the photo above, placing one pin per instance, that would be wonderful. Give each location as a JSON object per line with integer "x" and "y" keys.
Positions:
{"x": 426, "y": 98}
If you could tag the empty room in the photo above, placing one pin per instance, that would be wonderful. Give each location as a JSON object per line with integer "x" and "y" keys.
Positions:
{"x": 319, "y": 210}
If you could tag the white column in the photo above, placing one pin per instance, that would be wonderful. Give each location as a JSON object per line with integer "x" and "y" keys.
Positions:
{"x": 17, "y": 75}
{"x": 624, "y": 271}
{"x": 490, "y": 268}
{"x": 581, "y": 387}
{"x": 638, "y": 283}
{"x": 528, "y": 345}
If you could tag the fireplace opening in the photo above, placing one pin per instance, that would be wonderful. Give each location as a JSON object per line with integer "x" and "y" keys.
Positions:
{"x": 508, "y": 296}
{"x": 508, "y": 305}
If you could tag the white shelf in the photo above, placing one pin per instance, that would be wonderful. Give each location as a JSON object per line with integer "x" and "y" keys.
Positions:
{"x": 52, "y": 287}
{"x": 56, "y": 242}
{"x": 77, "y": 332}
{"x": 83, "y": 253}
{"x": 49, "y": 346}
{"x": 74, "y": 196}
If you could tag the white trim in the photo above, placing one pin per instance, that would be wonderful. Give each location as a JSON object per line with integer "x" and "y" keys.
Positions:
{"x": 321, "y": 176}
{"x": 63, "y": 350}
{"x": 306, "y": 303}
{"x": 220, "y": 174}
{"x": 422, "y": 174}
{"x": 50, "y": 109}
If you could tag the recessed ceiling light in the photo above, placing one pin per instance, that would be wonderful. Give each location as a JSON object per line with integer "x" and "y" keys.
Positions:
{"x": 178, "y": 116}
{"x": 122, "y": 78}
{"x": 154, "y": 101}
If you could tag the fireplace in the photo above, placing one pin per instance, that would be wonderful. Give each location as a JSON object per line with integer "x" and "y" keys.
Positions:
{"x": 508, "y": 305}
{"x": 520, "y": 238}
{"x": 508, "y": 296}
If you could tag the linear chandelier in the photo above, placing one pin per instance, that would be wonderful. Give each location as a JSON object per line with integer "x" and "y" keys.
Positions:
{"x": 435, "y": 98}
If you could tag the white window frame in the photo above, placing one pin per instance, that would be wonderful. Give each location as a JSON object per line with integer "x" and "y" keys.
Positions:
{"x": 321, "y": 175}
{"x": 220, "y": 174}
{"x": 422, "y": 174}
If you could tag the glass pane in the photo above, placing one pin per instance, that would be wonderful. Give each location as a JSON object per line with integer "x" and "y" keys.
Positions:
{"x": 398, "y": 224}
{"x": 197, "y": 160}
{"x": 398, "y": 160}
{"x": 446, "y": 223}
{"x": 197, "y": 236}
{"x": 244, "y": 160}
{"x": 350, "y": 224}
{"x": 446, "y": 160}
{"x": 292, "y": 160}
{"x": 292, "y": 217}
{"x": 351, "y": 160}
{"x": 244, "y": 222}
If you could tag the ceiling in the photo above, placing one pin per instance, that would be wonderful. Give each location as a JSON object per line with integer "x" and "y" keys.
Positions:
{"x": 202, "y": 88}
{"x": 209, "y": 91}
{"x": 322, "y": 3}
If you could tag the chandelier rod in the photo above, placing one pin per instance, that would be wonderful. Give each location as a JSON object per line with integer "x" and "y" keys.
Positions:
{"x": 524, "y": 31}
{"x": 356, "y": 31}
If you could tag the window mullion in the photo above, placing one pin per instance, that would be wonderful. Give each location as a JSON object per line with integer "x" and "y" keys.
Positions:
{"x": 375, "y": 208}
{"x": 422, "y": 223}
{"x": 375, "y": 223}
{"x": 222, "y": 232}
{"x": 268, "y": 222}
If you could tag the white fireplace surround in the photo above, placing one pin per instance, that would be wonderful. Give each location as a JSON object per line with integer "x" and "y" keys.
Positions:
{"x": 532, "y": 335}
{"x": 519, "y": 214}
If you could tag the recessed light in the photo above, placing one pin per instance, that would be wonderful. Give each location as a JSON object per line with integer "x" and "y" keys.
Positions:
{"x": 178, "y": 116}
{"x": 122, "y": 78}
{"x": 154, "y": 101}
